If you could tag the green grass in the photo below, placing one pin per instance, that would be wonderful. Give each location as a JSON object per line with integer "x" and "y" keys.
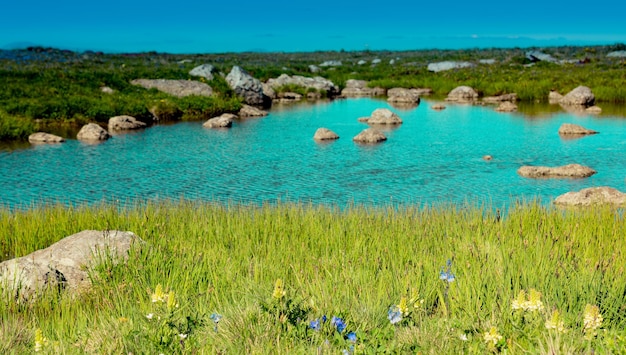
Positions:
{"x": 354, "y": 263}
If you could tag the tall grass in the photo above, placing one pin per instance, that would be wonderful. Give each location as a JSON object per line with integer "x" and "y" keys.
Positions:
{"x": 354, "y": 263}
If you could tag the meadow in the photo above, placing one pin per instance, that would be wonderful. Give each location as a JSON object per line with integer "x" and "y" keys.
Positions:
{"x": 297, "y": 278}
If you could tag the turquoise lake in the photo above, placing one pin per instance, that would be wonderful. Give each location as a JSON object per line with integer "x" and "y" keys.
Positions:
{"x": 434, "y": 157}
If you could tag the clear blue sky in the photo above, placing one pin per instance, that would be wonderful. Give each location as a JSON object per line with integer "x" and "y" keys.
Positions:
{"x": 245, "y": 25}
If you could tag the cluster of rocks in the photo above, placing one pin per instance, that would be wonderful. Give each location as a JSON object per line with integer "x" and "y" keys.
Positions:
{"x": 580, "y": 99}
{"x": 379, "y": 117}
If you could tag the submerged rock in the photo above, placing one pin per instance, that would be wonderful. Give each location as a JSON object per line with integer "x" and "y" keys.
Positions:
{"x": 43, "y": 137}
{"x": 592, "y": 196}
{"x": 323, "y": 134}
{"x": 358, "y": 88}
{"x": 92, "y": 132}
{"x": 402, "y": 95}
{"x": 501, "y": 98}
{"x": 383, "y": 116}
{"x": 251, "y": 111}
{"x": 566, "y": 171}
{"x": 65, "y": 264}
{"x": 506, "y": 106}
{"x": 574, "y": 129}
{"x": 222, "y": 121}
{"x": 125, "y": 123}
{"x": 369, "y": 135}
{"x": 438, "y": 107}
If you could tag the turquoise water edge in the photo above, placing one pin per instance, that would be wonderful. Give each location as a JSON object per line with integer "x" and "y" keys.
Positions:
{"x": 434, "y": 157}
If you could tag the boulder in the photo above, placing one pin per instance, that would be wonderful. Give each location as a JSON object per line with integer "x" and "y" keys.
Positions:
{"x": 178, "y": 88}
{"x": 448, "y": 65}
{"x": 289, "y": 96}
{"x": 617, "y": 54}
{"x": 592, "y": 196}
{"x": 43, "y": 137}
{"x": 594, "y": 110}
{"x": 537, "y": 56}
{"x": 554, "y": 97}
{"x": 462, "y": 94}
{"x": 317, "y": 83}
{"x": 574, "y": 129}
{"x": 106, "y": 90}
{"x": 358, "y": 88}
{"x": 383, "y": 116}
{"x": 487, "y": 157}
{"x": 506, "y": 106}
{"x": 331, "y": 63}
{"x": 222, "y": 121}
{"x": 438, "y": 107}
{"x": 314, "y": 68}
{"x": 566, "y": 171}
{"x": 487, "y": 61}
{"x": 402, "y": 95}
{"x": 92, "y": 132}
{"x": 268, "y": 91}
{"x": 124, "y": 123}
{"x": 205, "y": 71}
{"x": 251, "y": 111}
{"x": 580, "y": 96}
{"x": 65, "y": 264}
{"x": 361, "y": 62}
{"x": 246, "y": 86}
{"x": 501, "y": 98}
{"x": 323, "y": 134}
{"x": 369, "y": 135}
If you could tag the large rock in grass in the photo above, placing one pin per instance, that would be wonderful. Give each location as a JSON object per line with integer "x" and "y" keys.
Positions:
{"x": 178, "y": 88}
{"x": 462, "y": 94}
{"x": 246, "y": 86}
{"x": 317, "y": 83}
{"x": 92, "y": 132}
{"x": 369, "y": 135}
{"x": 448, "y": 65}
{"x": 223, "y": 121}
{"x": 325, "y": 134}
{"x": 383, "y": 116}
{"x": 43, "y": 138}
{"x": 65, "y": 264}
{"x": 580, "y": 96}
{"x": 205, "y": 71}
{"x": 122, "y": 123}
{"x": 566, "y": 171}
{"x": 592, "y": 196}
{"x": 570, "y": 129}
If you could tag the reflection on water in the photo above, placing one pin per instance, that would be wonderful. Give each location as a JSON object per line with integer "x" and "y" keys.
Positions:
{"x": 433, "y": 157}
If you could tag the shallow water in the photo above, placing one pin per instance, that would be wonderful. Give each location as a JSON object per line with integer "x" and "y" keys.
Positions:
{"x": 433, "y": 157}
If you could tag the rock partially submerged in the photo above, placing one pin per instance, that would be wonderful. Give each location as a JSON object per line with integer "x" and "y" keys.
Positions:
{"x": 501, "y": 98}
{"x": 506, "y": 106}
{"x": 222, "y": 121}
{"x": 251, "y": 111}
{"x": 580, "y": 96}
{"x": 438, "y": 107}
{"x": 120, "y": 123}
{"x": 566, "y": 171}
{"x": 323, "y": 134}
{"x": 383, "y": 116}
{"x": 178, "y": 88}
{"x": 575, "y": 130}
{"x": 403, "y": 96}
{"x": 91, "y": 132}
{"x": 369, "y": 135}
{"x": 592, "y": 196}
{"x": 358, "y": 88}
{"x": 43, "y": 138}
{"x": 65, "y": 264}
{"x": 462, "y": 94}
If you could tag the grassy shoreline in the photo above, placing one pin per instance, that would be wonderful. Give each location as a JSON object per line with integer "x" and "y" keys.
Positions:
{"x": 356, "y": 264}
{"x": 43, "y": 85}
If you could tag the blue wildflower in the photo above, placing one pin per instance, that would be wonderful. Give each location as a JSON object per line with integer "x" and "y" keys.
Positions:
{"x": 324, "y": 318}
{"x": 338, "y": 323}
{"x": 394, "y": 315}
{"x": 215, "y": 317}
{"x": 351, "y": 336}
{"x": 447, "y": 275}
{"x": 315, "y": 324}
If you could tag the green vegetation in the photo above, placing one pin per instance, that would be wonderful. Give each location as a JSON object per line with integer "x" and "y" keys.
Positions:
{"x": 51, "y": 85}
{"x": 246, "y": 279}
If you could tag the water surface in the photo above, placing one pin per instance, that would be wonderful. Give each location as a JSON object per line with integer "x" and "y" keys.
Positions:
{"x": 433, "y": 157}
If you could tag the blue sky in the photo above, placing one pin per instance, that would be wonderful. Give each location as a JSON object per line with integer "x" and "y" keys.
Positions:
{"x": 245, "y": 25}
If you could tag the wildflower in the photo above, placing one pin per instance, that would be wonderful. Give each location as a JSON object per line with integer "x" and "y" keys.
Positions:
{"x": 492, "y": 337}
{"x": 534, "y": 301}
{"x": 40, "y": 340}
{"x": 592, "y": 320}
{"x": 215, "y": 317}
{"x": 123, "y": 319}
{"x": 171, "y": 301}
{"x": 555, "y": 322}
{"x": 150, "y": 316}
{"x": 463, "y": 337}
{"x": 182, "y": 336}
{"x": 315, "y": 324}
{"x": 520, "y": 301}
{"x": 394, "y": 315}
{"x": 447, "y": 275}
{"x": 158, "y": 295}
{"x": 402, "y": 307}
{"x": 279, "y": 292}
{"x": 338, "y": 323}
{"x": 351, "y": 336}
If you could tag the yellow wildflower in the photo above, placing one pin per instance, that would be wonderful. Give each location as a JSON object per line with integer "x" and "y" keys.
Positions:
{"x": 592, "y": 320}
{"x": 40, "y": 340}
{"x": 404, "y": 308}
{"x": 492, "y": 337}
{"x": 279, "y": 292}
{"x": 158, "y": 295}
{"x": 519, "y": 302}
{"x": 534, "y": 301}
{"x": 171, "y": 301}
{"x": 555, "y": 322}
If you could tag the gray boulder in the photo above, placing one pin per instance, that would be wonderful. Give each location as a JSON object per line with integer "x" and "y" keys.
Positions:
{"x": 65, "y": 264}
{"x": 119, "y": 123}
{"x": 222, "y": 121}
{"x": 358, "y": 88}
{"x": 317, "y": 83}
{"x": 245, "y": 86}
{"x": 402, "y": 95}
{"x": 462, "y": 94}
{"x": 617, "y": 54}
{"x": 92, "y": 132}
{"x": 269, "y": 91}
{"x": 331, "y": 63}
{"x": 178, "y": 88}
{"x": 43, "y": 137}
{"x": 566, "y": 171}
{"x": 580, "y": 96}
{"x": 537, "y": 56}
{"x": 574, "y": 129}
{"x": 205, "y": 70}
{"x": 369, "y": 135}
{"x": 323, "y": 134}
{"x": 592, "y": 196}
{"x": 251, "y": 111}
{"x": 383, "y": 116}
{"x": 106, "y": 90}
{"x": 448, "y": 65}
